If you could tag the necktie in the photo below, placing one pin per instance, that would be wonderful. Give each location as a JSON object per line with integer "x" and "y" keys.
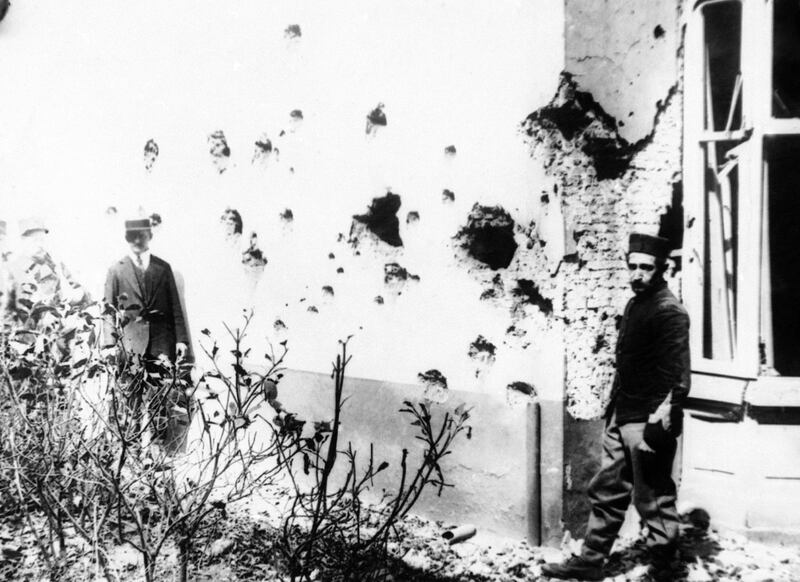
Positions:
{"x": 139, "y": 262}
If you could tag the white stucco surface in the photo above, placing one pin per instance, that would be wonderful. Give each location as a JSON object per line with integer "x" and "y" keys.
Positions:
{"x": 85, "y": 85}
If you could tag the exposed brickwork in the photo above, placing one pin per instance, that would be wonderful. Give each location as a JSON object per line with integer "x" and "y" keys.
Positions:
{"x": 600, "y": 208}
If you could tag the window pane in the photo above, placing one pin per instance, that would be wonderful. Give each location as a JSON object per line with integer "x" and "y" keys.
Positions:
{"x": 781, "y": 280}
{"x": 786, "y": 59}
{"x": 720, "y": 250}
{"x": 722, "y": 27}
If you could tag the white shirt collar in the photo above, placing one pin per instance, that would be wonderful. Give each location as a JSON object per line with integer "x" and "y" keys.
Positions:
{"x": 145, "y": 259}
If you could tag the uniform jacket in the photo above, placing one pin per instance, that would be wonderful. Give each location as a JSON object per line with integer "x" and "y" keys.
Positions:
{"x": 652, "y": 357}
{"x": 153, "y": 320}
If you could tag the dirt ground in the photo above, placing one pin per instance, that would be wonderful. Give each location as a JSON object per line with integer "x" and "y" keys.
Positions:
{"x": 238, "y": 547}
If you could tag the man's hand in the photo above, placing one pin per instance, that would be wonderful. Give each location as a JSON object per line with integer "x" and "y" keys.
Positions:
{"x": 181, "y": 350}
{"x": 662, "y": 414}
{"x": 644, "y": 447}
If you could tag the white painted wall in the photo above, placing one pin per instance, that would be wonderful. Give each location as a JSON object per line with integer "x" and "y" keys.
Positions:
{"x": 84, "y": 85}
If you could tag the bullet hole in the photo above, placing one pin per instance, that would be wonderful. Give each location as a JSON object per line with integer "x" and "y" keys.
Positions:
{"x": 621, "y": 123}
{"x": 658, "y": 31}
{"x": 150, "y": 153}
{"x": 600, "y": 342}
{"x": 340, "y": 237}
{"x": 528, "y": 292}
{"x": 394, "y": 274}
{"x": 111, "y": 211}
{"x": 278, "y": 325}
{"x": 515, "y": 331}
{"x": 253, "y": 256}
{"x": 378, "y": 299}
{"x": 488, "y": 236}
{"x": 292, "y": 31}
{"x": 375, "y": 119}
{"x": 448, "y": 195}
{"x": 690, "y": 224}
{"x": 340, "y": 270}
{"x": 296, "y": 115}
{"x": 545, "y": 199}
{"x": 327, "y": 291}
{"x": 232, "y": 224}
{"x": 287, "y": 215}
{"x": 263, "y": 150}
{"x": 522, "y": 388}
{"x": 381, "y": 219}
{"x": 482, "y": 349}
{"x": 433, "y": 378}
{"x": 219, "y": 150}
{"x": 450, "y": 150}
{"x": 331, "y": 256}
{"x": 312, "y": 309}
{"x": 412, "y": 217}
{"x": 630, "y": 113}
{"x": 496, "y": 290}
{"x": 155, "y": 220}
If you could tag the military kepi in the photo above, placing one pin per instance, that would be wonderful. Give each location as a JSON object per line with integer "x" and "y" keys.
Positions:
{"x": 648, "y": 244}
{"x": 138, "y": 224}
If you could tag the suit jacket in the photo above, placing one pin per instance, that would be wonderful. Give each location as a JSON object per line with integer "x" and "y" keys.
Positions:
{"x": 152, "y": 317}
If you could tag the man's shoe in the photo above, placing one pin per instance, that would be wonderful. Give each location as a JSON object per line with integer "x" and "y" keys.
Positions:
{"x": 575, "y": 567}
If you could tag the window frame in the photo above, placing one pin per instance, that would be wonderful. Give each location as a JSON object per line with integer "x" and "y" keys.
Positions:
{"x": 755, "y": 92}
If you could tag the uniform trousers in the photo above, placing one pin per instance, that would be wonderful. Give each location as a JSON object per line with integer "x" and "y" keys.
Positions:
{"x": 627, "y": 473}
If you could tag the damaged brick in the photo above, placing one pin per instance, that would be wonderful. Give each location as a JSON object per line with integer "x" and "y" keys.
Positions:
{"x": 327, "y": 291}
{"x": 287, "y": 215}
{"x": 580, "y": 119}
{"x": 150, "y": 154}
{"x": 381, "y": 219}
{"x": 412, "y": 217}
{"x": 292, "y": 31}
{"x": 296, "y": 115}
{"x": 527, "y": 291}
{"x": 378, "y": 299}
{"x": 448, "y": 195}
{"x": 450, "y": 150}
{"x": 488, "y": 236}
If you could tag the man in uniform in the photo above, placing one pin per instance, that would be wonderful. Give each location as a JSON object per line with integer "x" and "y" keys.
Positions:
{"x": 141, "y": 286}
{"x": 643, "y": 420}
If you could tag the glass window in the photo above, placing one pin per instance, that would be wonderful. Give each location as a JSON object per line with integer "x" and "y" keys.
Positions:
{"x": 720, "y": 249}
{"x": 786, "y": 59}
{"x": 780, "y": 293}
{"x": 722, "y": 31}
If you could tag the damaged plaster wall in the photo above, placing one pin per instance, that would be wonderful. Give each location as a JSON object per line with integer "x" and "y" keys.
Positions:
{"x": 367, "y": 176}
{"x": 610, "y": 140}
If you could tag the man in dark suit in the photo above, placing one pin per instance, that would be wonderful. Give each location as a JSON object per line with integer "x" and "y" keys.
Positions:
{"x": 142, "y": 288}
